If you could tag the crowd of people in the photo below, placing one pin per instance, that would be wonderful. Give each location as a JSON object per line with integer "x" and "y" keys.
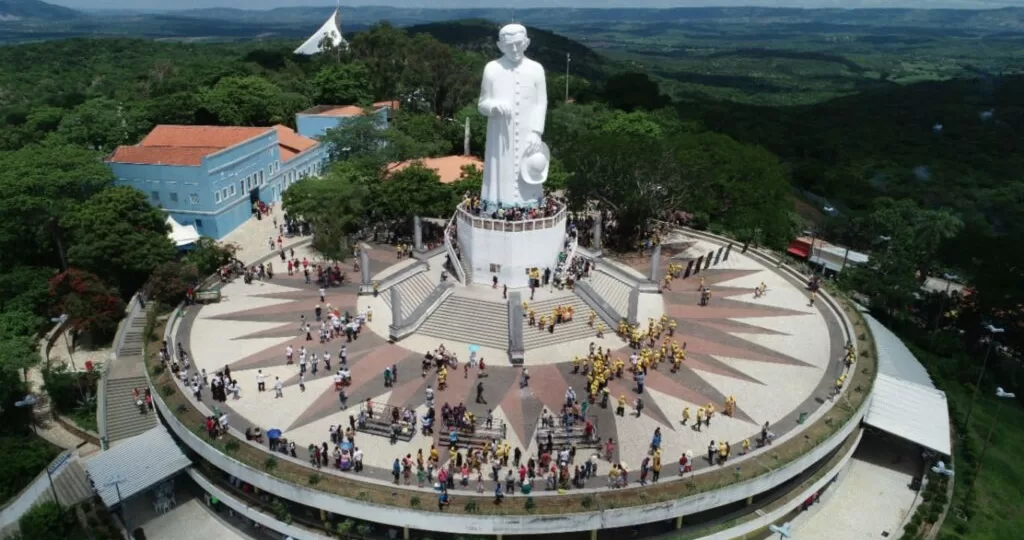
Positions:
{"x": 547, "y": 207}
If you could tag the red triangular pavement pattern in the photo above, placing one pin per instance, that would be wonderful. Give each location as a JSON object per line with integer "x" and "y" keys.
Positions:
{"x": 457, "y": 389}
{"x": 271, "y": 356}
{"x": 626, "y": 386}
{"x": 715, "y": 276}
{"x": 749, "y": 351}
{"x": 512, "y": 405}
{"x": 406, "y": 391}
{"x": 666, "y": 385}
{"x": 298, "y": 294}
{"x": 284, "y": 308}
{"x": 323, "y": 406}
{"x": 736, "y": 327}
{"x": 706, "y": 363}
{"x": 725, "y": 309}
{"x": 549, "y": 386}
{"x": 280, "y": 331}
{"x": 369, "y": 370}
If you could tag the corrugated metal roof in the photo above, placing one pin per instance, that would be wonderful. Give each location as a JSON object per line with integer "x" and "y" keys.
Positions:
{"x": 894, "y": 358}
{"x": 911, "y": 411}
{"x": 135, "y": 464}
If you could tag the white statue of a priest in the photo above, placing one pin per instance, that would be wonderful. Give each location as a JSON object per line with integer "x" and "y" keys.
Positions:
{"x": 514, "y": 98}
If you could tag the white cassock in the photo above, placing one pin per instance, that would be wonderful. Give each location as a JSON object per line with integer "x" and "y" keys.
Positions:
{"x": 523, "y": 87}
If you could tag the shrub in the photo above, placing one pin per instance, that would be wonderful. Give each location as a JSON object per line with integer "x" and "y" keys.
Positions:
{"x": 414, "y": 501}
{"x": 270, "y": 463}
{"x": 345, "y": 526}
{"x": 232, "y": 446}
{"x": 910, "y": 529}
{"x": 169, "y": 281}
{"x": 364, "y": 529}
{"x": 471, "y": 507}
{"x": 47, "y": 521}
{"x": 23, "y": 458}
{"x": 530, "y": 505}
{"x": 587, "y": 501}
{"x": 314, "y": 479}
{"x": 167, "y": 390}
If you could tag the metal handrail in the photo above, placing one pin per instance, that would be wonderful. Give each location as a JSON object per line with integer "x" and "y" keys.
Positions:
{"x": 452, "y": 254}
{"x": 510, "y": 226}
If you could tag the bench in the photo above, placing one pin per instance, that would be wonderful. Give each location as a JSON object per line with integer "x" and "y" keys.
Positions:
{"x": 380, "y": 424}
{"x": 561, "y": 437}
{"x": 480, "y": 435}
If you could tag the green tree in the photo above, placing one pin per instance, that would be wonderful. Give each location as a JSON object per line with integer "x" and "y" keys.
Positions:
{"x": 372, "y": 148}
{"x": 383, "y": 49}
{"x": 100, "y": 124}
{"x": 208, "y": 255}
{"x": 333, "y": 205}
{"x": 46, "y": 521}
{"x": 342, "y": 84}
{"x": 91, "y": 306}
{"x": 26, "y": 289}
{"x": 170, "y": 281}
{"x": 245, "y": 101}
{"x": 18, "y": 353}
{"x": 412, "y": 191}
{"x": 41, "y": 185}
{"x": 633, "y": 90}
{"x": 119, "y": 234}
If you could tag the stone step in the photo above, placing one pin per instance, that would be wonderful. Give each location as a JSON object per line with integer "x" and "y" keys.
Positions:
{"x": 612, "y": 291}
{"x": 577, "y": 328}
{"x": 123, "y": 418}
{"x": 470, "y": 321}
{"x": 414, "y": 291}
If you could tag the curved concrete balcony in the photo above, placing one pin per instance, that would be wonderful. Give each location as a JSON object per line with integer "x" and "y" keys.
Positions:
{"x": 503, "y": 225}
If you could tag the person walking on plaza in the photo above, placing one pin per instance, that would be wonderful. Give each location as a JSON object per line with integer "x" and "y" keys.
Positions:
{"x": 480, "y": 392}
{"x": 278, "y": 388}
{"x": 261, "y": 384}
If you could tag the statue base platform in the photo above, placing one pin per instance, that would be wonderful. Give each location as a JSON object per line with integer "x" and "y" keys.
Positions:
{"x": 508, "y": 250}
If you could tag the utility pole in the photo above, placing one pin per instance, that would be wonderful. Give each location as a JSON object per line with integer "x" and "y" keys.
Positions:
{"x": 568, "y": 58}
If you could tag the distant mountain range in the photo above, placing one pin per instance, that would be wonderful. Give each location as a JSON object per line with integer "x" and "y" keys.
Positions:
{"x": 22, "y": 20}
{"x": 17, "y": 10}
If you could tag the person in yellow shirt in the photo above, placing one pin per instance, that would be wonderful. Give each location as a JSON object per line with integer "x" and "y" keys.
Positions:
{"x": 708, "y": 413}
{"x": 590, "y": 320}
{"x": 700, "y": 418}
{"x": 671, "y": 327}
{"x": 620, "y": 408}
{"x": 686, "y": 415}
{"x": 746, "y": 447}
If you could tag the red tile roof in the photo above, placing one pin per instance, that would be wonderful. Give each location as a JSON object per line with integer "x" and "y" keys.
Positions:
{"x": 292, "y": 144}
{"x": 348, "y": 110}
{"x": 448, "y": 168}
{"x": 188, "y": 145}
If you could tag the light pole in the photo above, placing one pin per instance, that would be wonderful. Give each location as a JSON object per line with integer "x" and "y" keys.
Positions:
{"x": 1000, "y": 395}
{"x": 116, "y": 482}
{"x": 567, "y": 60}
{"x": 29, "y": 402}
{"x": 992, "y": 330}
{"x": 61, "y": 320}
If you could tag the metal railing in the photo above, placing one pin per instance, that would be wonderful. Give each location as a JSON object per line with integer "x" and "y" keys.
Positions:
{"x": 570, "y": 256}
{"x": 501, "y": 225}
{"x": 460, "y": 274}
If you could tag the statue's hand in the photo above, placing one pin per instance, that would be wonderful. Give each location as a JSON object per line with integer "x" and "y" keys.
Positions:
{"x": 502, "y": 108}
{"x": 532, "y": 143}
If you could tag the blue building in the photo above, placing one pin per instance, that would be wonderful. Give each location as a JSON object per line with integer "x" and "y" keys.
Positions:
{"x": 314, "y": 122}
{"x": 213, "y": 176}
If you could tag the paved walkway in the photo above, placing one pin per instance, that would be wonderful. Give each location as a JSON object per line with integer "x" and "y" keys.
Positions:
{"x": 777, "y": 355}
{"x": 873, "y": 498}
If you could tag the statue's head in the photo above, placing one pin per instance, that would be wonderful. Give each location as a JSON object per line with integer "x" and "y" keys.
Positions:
{"x": 513, "y": 42}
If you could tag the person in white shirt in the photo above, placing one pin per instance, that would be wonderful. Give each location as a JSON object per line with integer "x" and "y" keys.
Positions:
{"x": 278, "y": 388}
{"x": 261, "y": 384}
{"x": 288, "y": 351}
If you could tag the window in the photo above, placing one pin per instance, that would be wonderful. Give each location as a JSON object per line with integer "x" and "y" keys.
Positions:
{"x": 263, "y": 179}
{"x": 216, "y": 197}
{"x": 199, "y": 224}
{"x": 155, "y": 195}
{"x": 193, "y": 198}
{"x": 233, "y": 190}
{"x": 174, "y": 196}
{"x": 241, "y": 186}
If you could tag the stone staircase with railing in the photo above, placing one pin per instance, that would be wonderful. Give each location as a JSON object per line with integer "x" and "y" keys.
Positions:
{"x": 414, "y": 291}
{"x": 460, "y": 268}
{"x": 124, "y": 373}
{"x": 123, "y": 417}
{"x": 577, "y": 328}
{"x": 469, "y": 320}
{"x": 612, "y": 291}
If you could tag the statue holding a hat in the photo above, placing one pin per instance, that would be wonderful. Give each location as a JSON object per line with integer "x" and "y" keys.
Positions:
{"x": 513, "y": 97}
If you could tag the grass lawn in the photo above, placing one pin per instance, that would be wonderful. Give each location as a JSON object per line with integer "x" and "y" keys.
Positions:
{"x": 999, "y": 493}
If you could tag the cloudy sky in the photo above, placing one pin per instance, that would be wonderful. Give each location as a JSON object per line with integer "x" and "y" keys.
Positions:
{"x": 268, "y": 4}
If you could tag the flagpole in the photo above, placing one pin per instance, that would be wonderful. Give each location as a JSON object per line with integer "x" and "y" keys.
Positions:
{"x": 567, "y": 59}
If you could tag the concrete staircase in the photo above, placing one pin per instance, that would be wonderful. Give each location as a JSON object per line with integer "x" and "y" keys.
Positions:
{"x": 414, "y": 291}
{"x": 469, "y": 320}
{"x": 534, "y": 338}
{"x": 612, "y": 291}
{"x": 123, "y": 417}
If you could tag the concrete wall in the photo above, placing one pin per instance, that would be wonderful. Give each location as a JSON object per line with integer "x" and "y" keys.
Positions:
{"x": 523, "y": 524}
{"x": 514, "y": 251}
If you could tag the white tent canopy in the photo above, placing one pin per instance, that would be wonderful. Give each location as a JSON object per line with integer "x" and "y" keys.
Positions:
{"x": 904, "y": 401}
{"x": 182, "y": 235}
{"x": 329, "y": 32}
{"x": 134, "y": 465}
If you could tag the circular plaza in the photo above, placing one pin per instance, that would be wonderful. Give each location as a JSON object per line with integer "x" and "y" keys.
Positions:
{"x": 775, "y": 355}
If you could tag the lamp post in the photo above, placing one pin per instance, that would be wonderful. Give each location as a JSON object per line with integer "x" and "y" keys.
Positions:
{"x": 116, "y": 482}
{"x": 992, "y": 330}
{"x": 29, "y": 402}
{"x": 61, "y": 320}
{"x": 1000, "y": 395}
